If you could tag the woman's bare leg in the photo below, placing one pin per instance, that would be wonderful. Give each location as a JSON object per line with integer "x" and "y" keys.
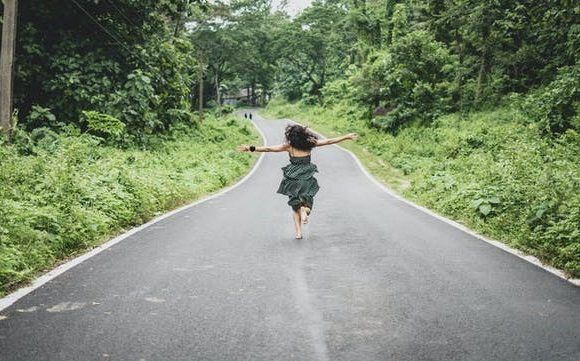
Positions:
{"x": 304, "y": 214}
{"x": 297, "y": 226}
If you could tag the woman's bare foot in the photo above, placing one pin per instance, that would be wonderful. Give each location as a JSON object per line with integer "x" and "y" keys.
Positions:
{"x": 304, "y": 213}
{"x": 298, "y": 236}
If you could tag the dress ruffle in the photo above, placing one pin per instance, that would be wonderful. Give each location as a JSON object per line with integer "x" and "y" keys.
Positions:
{"x": 299, "y": 183}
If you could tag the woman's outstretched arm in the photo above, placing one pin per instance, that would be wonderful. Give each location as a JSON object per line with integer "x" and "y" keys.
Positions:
{"x": 350, "y": 136}
{"x": 276, "y": 148}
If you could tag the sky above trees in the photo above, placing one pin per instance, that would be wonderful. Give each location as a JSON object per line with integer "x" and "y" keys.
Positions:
{"x": 294, "y": 6}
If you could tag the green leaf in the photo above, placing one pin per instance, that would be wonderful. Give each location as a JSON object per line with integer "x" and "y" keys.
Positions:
{"x": 485, "y": 209}
{"x": 476, "y": 203}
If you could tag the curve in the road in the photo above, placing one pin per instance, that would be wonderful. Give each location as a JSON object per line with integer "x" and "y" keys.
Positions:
{"x": 374, "y": 279}
{"x": 533, "y": 260}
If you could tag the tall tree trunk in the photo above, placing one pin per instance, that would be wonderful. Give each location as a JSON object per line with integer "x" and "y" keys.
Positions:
{"x": 177, "y": 26}
{"x": 264, "y": 97}
{"x": 217, "y": 91}
{"x": 179, "y": 20}
{"x": 322, "y": 82}
{"x": 486, "y": 51}
{"x": 460, "y": 50}
{"x": 253, "y": 96}
{"x": 484, "y": 70}
{"x": 200, "y": 91}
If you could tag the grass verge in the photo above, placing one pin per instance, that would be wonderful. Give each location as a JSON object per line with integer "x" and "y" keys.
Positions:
{"x": 490, "y": 171}
{"x": 72, "y": 193}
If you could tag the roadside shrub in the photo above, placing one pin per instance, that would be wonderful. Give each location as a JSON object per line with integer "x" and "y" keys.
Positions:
{"x": 178, "y": 116}
{"x": 55, "y": 203}
{"x": 395, "y": 119}
{"x": 27, "y": 143}
{"x": 308, "y": 99}
{"x": 78, "y": 81}
{"x": 44, "y": 138}
{"x": 103, "y": 125}
{"x": 555, "y": 108}
{"x": 170, "y": 65}
{"x": 135, "y": 105}
{"x": 414, "y": 77}
{"x": 226, "y": 109}
{"x": 41, "y": 117}
{"x": 337, "y": 91}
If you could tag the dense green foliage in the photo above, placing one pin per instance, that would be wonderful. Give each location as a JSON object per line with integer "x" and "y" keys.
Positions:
{"x": 401, "y": 60}
{"x": 412, "y": 89}
{"x": 105, "y": 93}
{"x": 235, "y": 46}
{"x": 490, "y": 170}
{"x": 407, "y": 61}
{"x": 311, "y": 49}
{"x": 556, "y": 107}
{"x": 64, "y": 193}
{"x": 127, "y": 59}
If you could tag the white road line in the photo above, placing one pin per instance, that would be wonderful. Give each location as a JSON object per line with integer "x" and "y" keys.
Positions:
{"x": 498, "y": 244}
{"x": 16, "y": 295}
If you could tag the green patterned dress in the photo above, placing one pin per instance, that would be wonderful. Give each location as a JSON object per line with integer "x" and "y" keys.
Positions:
{"x": 299, "y": 183}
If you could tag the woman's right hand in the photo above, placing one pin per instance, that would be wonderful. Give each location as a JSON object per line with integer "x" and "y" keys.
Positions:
{"x": 351, "y": 136}
{"x": 243, "y": 148}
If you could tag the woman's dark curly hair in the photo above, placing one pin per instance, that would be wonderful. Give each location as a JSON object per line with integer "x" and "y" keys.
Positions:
{"x": 300, "y": 137}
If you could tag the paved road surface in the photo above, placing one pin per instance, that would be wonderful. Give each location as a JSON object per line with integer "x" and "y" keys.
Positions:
{"x": 374, "y": 279}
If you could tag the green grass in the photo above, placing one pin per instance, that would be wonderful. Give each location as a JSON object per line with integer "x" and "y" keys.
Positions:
{"x": 74, "y": 193}
{"x": 491, "y": 171}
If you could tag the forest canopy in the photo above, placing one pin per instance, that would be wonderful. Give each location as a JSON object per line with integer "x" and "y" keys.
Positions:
{"x": 147, "y": 63}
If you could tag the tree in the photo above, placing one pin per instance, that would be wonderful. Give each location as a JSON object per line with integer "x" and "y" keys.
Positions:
{"x": 78, "y": 55}
{"x": 253, "y": 29}
{"x": 313, "y": 47}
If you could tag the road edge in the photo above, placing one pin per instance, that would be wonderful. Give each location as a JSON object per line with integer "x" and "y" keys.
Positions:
{"x": 11, "y": 298}
{"x": 529, "y": 258}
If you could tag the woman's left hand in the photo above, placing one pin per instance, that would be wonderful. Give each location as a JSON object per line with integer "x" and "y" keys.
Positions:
{"x": 243, "y": 148}
{"x": 352, "y": 136}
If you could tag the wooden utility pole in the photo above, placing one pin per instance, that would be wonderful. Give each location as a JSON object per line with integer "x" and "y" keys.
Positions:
{"x": 7, "y": 65}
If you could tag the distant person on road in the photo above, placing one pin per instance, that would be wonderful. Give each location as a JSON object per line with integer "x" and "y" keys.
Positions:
{"x": 250, "y": 116}
{"x": 246, "y": 115}
{"x": 299, "y": 183}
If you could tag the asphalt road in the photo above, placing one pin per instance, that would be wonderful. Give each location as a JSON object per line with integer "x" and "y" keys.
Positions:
{"x": 374, "y": 279}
